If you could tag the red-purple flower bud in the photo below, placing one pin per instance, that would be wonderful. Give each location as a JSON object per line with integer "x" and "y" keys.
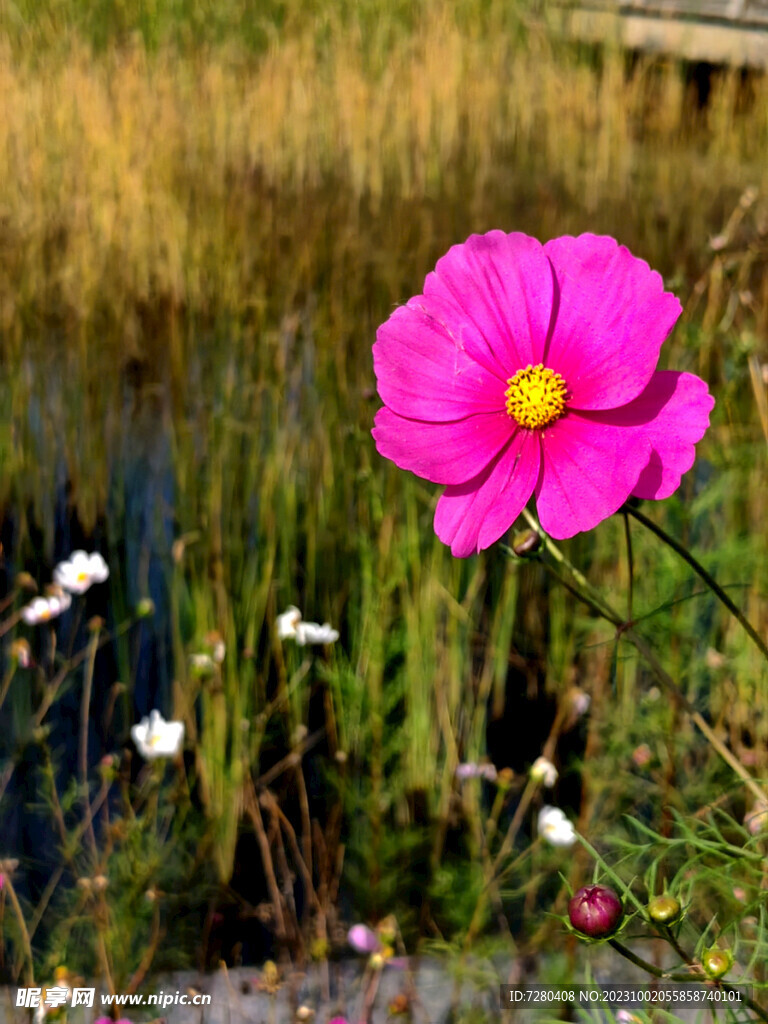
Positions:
{"x": 595, "y": 911}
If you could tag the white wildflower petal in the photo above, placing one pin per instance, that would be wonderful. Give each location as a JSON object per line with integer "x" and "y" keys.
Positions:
{"x": 202, "y": 663}
{"x": 80, "y": 571}
{"x": 43, "y": 609}
{"x": 312, "y": 633}
{"x": 544, "y": 772}
{"x": 154, "y": 737}
{"x": 555, "y": 828}
{"x": 287, "y": 623}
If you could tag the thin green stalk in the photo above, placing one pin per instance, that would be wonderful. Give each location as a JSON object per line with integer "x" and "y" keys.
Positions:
{"x": 662, "y": 975}
{"x": 585, "y": 592}
{"x": 25, "y": 941}
{"x": 610, "y": 872}
{"x": 85, "y": 708}
{"x": 700, "y": 571}
{"x": 505, "y": 849}
{"x": 630, "y": 566}
{"x": 7, "y": 680}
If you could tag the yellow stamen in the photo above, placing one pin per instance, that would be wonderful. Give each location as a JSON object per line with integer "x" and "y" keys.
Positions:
{"x": 536, "y": 396}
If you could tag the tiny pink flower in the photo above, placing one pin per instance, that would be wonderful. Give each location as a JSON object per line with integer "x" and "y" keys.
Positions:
{"x": 642, "y": 755}
{"x": 527, "y": 369}
{"x": 363, "y": 939}
{"x": 471, "y": 770}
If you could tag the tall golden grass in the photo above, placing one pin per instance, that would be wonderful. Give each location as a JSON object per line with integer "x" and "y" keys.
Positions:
{"x": 129, "y": 177}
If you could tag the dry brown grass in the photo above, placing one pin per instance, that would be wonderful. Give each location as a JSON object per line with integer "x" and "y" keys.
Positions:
{"x": 129, "y": 178}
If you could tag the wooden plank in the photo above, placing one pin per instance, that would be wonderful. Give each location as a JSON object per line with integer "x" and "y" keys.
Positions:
{"x": 740, "y": 12}
{"x": 717, "y": 43}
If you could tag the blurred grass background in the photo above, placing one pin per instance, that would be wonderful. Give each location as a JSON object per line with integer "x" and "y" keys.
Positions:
{"x": 206, "y": 210}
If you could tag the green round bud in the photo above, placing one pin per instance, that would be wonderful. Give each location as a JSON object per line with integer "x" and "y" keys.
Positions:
{"x": 717, "y": 962}
{"x": 664, "y": 909}
{"x": 145, "y": 608}
{"x": 526, "y": 543}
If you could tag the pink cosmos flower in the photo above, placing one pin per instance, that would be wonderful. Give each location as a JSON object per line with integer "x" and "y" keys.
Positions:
{"x": 531, "y": 369}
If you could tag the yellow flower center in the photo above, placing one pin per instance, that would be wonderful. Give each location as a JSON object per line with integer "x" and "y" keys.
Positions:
{"x": 536, "y": 396}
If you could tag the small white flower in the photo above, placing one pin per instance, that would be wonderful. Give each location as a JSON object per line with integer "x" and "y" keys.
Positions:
{"x": 43, "y": 609}
{"x": 154, "y": 737}
{"x": 81, "y": 571}
{"x": 580, "y": 702}
{"x": 287, "y": 623}
{"x": 202, "y": 664}
{"x": 543, "y": 771}
{"x": 290, "y": 626}
{"x": 312, "y": 633}
{"x": 555, "y": 827}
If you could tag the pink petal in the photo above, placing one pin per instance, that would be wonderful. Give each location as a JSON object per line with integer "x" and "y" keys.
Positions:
{"x": 673, "y": 413}
{"x": 589, "y": 469}
{"x": 494, "y": 292}
{"x": 424, "y": 373}
{"x": 611, "y": 318}
{"x": 474, "y": 515}
{"x": 362, "y": 939}
{"x": 445, "y": 453}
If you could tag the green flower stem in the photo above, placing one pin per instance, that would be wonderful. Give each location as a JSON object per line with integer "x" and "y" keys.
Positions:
{"x": 636, "y": 960}
{"x": 657, "y": 972}
{"x": 53, "y": 688}
{"x": 10, "y": 622}
{"x": 608, "y": 870}
{"x": 7, "y": 680}
{"x": 77, "y": 659}
{"x": 630, "y": 566}
{"x": 25, "y": 941}
{"x": 492, "y": 870}
{"x": 85, "y": 714}
{"x": 581, "y": 588}
{"x": 700, "y": 571}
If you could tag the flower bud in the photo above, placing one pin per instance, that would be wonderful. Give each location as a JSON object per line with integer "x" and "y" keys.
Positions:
{"x": 21, "y": 653}
{"x": 387, "y": 929}
{"x": 25, "y": 582}
{"x": 664, "y": 909}
{"x": 526, "y": 543}
{"x": 595, "y": 911}
{"x": 717, "y": 962}
{"x": 145, "y": 608}
{"x": 544, "y": 772}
